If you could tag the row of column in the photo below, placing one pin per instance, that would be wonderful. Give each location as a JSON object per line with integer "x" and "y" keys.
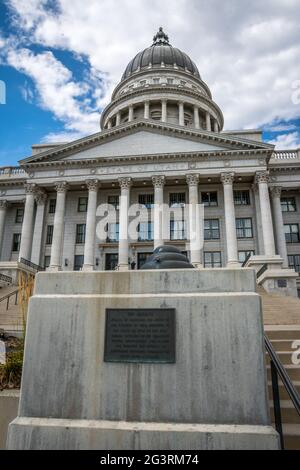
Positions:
{"x": 32, "y": 231}
{"x": 164, "y": 116}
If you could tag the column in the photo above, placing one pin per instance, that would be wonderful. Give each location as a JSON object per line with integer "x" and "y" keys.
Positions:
{"x": 278, "y": 222}
{"x": 109, "y": 124}
{"x": 118, "y": 119}
{"x": 181, "y": 113}
{"x": 125, "y": 184}
{"x": 146, "y": 110}
{"x": 27, "y": 227}
{"x": 164, "y": 110}
{"x": 41, "y": 199}
{"x": 262, "y": 179}
{"x": 130, "y": 113}
{"x": 208, "y": 122}
{"x": 158, "y": 183}
{"x": 216, "y": 126}
{"x": 196, "y": 117}
{"x": 230, "y": 224}
{"x": 90, "y": 234}
{"x": 58, "y": 231}
{"x": 3, "y": 209}
{"x": 195, "y": 233}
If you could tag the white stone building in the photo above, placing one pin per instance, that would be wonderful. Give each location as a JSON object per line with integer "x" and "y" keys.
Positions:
{"x": 161, "y": 141}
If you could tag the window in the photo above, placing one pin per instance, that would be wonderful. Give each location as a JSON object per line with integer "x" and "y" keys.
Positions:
{"x": 177, "y": 230}
{"x": 145, "y": 230}
{"x": 47, "y": 261}
{"x": 49, "y": 235}
{"x": 288, "y": 204}
{"x": 292, "y": 233}
{"x": 146, "y": 200}
{"x": 80, "y": 233}
{"x": 244, "y": 228}
{"x": 52, "y": 206}
{"x": 156, "y": 81}
{"x": 170, "y": 81}
{"x": 82, "y": 204}
{"x": 244, "y": 254}
{"x": 16, "y": 242}
{"x": 113, "y": 201}
{"x": 211, "y": 229}
{"x": 111, "y": 261}
{"x": 142, "y": 258}
{"x": 209, "y": 199}
{"x": 212, "y": 259}
{"x": 112, "y": 232}
{"x": 294, "y": 262}
{"x": 19, "y": 215}
{"x": 241, "y": 198}
{"x": 78, "y": 262}
{"x": 177, "y": 199}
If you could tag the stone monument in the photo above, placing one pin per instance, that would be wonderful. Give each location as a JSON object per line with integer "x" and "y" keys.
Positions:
{"x": 154, "y": 359}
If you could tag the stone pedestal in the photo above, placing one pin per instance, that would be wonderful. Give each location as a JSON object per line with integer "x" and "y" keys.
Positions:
{"x": 213, "y": 397}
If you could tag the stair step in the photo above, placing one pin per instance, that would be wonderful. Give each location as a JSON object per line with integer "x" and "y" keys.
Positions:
{"x": 291, "y": 434}
{"x": 282, "y": 390}
{"x": 286, "y": 357}
{"x": 289, "y": 414}
{"x": 281, "y": 332}
{"x": 281, "y": 345}
{"x": 292, "y": 370}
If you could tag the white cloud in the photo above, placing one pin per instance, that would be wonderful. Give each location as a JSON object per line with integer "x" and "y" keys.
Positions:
{"x": 247, "y": 52}
{"x": 287, "y": 141}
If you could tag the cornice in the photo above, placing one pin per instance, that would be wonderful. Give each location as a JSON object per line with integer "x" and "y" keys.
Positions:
{"x": 126, "y": 129}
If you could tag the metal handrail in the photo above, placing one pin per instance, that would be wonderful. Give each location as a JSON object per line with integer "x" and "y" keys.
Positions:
{"x": 5, "y": 278}
{"x": 8, "y": 296}
{"x": 277, "y": 369}
{"x": 34, "y": 266}
{"x": 246, "y": 260}
{"x": 262, "y": 270}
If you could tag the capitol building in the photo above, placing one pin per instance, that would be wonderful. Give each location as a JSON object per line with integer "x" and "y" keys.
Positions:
{"x": 161, "y": 144}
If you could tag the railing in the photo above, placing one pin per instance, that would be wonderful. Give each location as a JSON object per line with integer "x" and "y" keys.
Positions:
{"x": 286, "y": 155}
{"x": 277, "y": 369}
{"x": 31, "y": 265}
{"x": 262, "y": 270}
{"x": 246, "y": 260}
{"x": 5, "y": 278}
{"x": 12, "y": 171}
{"x": 8, "y": 296}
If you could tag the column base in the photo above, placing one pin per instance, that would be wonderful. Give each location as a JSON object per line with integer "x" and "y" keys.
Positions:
{"x": 123, "y": 267}
{"x": 88, "y": 267}
{"x": 233, "y": 264}
{"x": 54, "y": 269}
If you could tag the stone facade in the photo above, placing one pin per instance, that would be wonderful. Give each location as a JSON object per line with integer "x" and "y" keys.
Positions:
{"x": 161, "y": 137}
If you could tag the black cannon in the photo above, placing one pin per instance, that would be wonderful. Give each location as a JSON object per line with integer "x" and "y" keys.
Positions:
{"x": 167, "y": 257}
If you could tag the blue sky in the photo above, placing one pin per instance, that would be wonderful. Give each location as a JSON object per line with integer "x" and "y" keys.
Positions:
{"x": 60, "y": 61}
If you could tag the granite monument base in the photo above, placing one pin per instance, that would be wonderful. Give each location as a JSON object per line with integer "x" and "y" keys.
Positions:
{"x": 212, "y": 396}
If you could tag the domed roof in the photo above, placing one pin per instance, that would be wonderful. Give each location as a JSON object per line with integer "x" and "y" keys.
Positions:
{"x": 161, "y": 52}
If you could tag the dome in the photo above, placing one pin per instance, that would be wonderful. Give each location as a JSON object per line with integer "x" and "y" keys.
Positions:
{"x": 161, "y": 52}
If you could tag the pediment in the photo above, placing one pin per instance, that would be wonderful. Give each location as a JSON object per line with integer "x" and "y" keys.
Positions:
{"x": 143, "y": 138}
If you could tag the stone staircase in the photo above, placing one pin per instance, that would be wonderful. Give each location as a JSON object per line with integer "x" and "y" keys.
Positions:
{"x": 282, "y": 338}
{"x": 11, "y": 318}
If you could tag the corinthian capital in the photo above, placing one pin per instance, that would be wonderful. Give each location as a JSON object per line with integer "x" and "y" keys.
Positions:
{"x": 276, "y": 191}
{"x": 192, "y": 180}
{"x": 158, "y": 181}
{"x": 30, "y": 188}
{"x": 92, "y": 185}
{"x": 61, "y": 187}
{"x": 41, "y": 198}
{"x": 3, "y": 204}
{"x": 125, "y": 183}
{"x": 262, "y": 177}
{"x": 227, "y": 178}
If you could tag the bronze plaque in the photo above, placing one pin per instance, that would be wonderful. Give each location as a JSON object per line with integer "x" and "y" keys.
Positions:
{"x": 140, "y": 335}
